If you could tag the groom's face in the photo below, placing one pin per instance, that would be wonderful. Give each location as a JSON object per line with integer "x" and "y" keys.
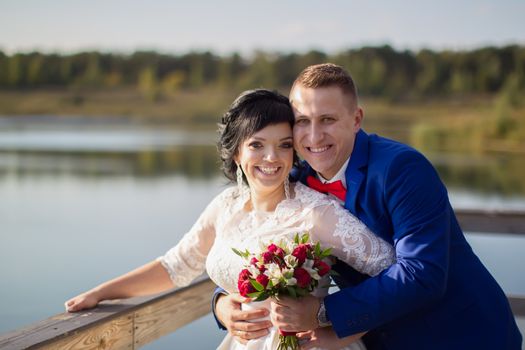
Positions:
{"x": 326, "y": 122}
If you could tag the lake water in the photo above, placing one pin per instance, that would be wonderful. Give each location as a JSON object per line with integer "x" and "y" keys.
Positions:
{"x": 83, "y": 203}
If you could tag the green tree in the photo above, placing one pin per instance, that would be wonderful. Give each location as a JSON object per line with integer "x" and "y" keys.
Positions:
{"x": 260, "y": 72}
{"x": 148, "y": 84}
{"x": 35, "y": 70}
{"x": 16, "y": 71}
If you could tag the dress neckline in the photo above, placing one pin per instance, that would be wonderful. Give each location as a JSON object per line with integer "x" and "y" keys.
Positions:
{"x": 293, "y": 189}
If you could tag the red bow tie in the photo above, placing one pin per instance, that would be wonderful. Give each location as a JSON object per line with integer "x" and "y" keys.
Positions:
{"x": 336, "y": 188}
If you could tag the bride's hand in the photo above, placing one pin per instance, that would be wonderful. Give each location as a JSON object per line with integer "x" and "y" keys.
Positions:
{"x": 295, "y": 315}
{"x": 228, "y": 311}
{"x": 325, "y": 338}
{"x": 83, "y": 301}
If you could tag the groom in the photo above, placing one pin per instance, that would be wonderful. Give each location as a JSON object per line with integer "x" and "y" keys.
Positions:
{"x": 438, "y": 295}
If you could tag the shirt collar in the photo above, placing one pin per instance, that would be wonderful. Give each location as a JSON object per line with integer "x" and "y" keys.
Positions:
{"x": 340, "y": 175}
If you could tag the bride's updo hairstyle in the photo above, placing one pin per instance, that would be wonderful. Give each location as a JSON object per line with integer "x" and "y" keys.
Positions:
{"x": 252, "y": 111}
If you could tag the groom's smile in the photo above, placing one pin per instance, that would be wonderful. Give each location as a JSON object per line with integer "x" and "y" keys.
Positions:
{"x": 318, "y": 150}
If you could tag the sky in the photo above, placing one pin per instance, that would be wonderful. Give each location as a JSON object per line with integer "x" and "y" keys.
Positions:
{"x": 227, "y": 26}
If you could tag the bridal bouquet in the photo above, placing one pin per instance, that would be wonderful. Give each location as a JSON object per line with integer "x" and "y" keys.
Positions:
{"x": 288, "y": 267}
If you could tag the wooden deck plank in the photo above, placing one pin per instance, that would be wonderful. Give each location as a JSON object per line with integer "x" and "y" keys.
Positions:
{"x": 492, "y": 221}
{"x": 165, "y": 317}
{"x": 114, "y": 334}
{"x": 517, "y": 304}
{"x": 104, "y": 327}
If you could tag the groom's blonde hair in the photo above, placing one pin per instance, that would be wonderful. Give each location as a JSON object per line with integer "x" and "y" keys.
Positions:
{"x": 326, "y": 75}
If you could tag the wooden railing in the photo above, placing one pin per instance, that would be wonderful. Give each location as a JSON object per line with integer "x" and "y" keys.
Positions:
{"x": 492, "y": 221}
{"x": 132, "y": 323}
{"x": 124, "y": 324}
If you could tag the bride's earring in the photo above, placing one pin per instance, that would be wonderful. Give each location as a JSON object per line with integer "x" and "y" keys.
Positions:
{"x": 287, "y": 188}
{"x": 244, "y": 192}
{"x": 239, "y": 179}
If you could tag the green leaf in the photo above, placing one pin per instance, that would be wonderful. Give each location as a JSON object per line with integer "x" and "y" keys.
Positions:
{"x": 326, "y": 252}
{"x": 259, "y": 287}
{"x": 238, "y": 252}
{"x": 306, "y": 238}
{"x": 254, "y": 294}
{"x": 333, "y": 273}
{"x": 301, "y": 292}
{"x": 317, "y": 249}
{"x": 292, "y": 292}
{"x": 261, "y": 297}
{"x": 244, "y": 254}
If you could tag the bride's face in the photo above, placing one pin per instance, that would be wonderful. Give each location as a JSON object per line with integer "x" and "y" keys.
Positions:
{"x": 266, "y": 157}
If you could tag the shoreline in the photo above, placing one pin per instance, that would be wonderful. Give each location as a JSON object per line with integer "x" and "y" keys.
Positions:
{"x": 468, "y": 123}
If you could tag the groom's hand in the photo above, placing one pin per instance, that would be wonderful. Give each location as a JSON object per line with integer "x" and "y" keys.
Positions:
{"x": 325, "y": 338}
{"x": 295, "y": 315}
{"x": 228, "y": 311}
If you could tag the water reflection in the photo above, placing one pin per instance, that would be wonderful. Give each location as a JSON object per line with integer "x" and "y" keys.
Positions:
{"x": 501, "y": 175}
{"x": 198, "y": 161}
{"x": 495, "y": 174}
{"x": 115, "y": 146}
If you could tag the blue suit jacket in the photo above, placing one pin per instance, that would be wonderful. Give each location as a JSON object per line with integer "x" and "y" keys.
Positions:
{"x": 438, "y": 295}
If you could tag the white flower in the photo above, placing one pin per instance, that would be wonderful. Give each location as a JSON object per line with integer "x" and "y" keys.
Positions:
{"x": 273, "y": 271}
{"x": 309, "y": 267}
{"x": 253, "y": 270}
{"x": 287, "y": 273}
{"x": 291, "y": 282}
{"x": 291, "y": 261}
{"x": 288, "y": 276}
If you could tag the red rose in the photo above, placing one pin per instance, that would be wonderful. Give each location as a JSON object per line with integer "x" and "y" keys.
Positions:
{"x": 272, "y": 248}
{"x": 254, "y": 261}
{"x": 322, "y": 267}
{"x": 300, "y": 253}
{"x": 303, "y": 277}
{"x": 267, "y": 257}
{"x": 262, "y": 279}
{"x": 244, "y": 275}
{"x": 279, "y": 252}
{"x": 246, "y": 288}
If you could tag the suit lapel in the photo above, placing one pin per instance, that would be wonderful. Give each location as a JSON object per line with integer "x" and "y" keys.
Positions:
{"x": 354, "y": 175}
{"x": 305, "y": 171}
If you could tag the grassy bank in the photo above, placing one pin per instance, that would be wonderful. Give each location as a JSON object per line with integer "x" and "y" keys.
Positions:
{"x": 184, "y": 108}
{"x": 467, "y": 124}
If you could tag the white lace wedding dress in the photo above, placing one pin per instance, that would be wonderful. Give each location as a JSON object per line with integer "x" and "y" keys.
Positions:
{"x": 225, "y": 224}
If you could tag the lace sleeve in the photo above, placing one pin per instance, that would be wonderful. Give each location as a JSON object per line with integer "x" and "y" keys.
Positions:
{"x": 351, "y": 241}
{"x": 187, "y": 259}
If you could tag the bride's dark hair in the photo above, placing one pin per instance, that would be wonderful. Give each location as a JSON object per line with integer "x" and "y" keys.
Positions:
{"x": 252, "y": 111}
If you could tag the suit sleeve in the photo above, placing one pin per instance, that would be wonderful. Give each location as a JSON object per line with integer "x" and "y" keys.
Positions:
{"x": 216, "y": 293}
{"x": 416, "y": 202}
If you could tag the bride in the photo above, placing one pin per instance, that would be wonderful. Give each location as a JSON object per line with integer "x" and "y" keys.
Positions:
{"x": 256, "y": 149}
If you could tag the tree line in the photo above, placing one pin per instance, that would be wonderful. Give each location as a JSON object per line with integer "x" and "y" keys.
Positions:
{"x": 378, "y": 71}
